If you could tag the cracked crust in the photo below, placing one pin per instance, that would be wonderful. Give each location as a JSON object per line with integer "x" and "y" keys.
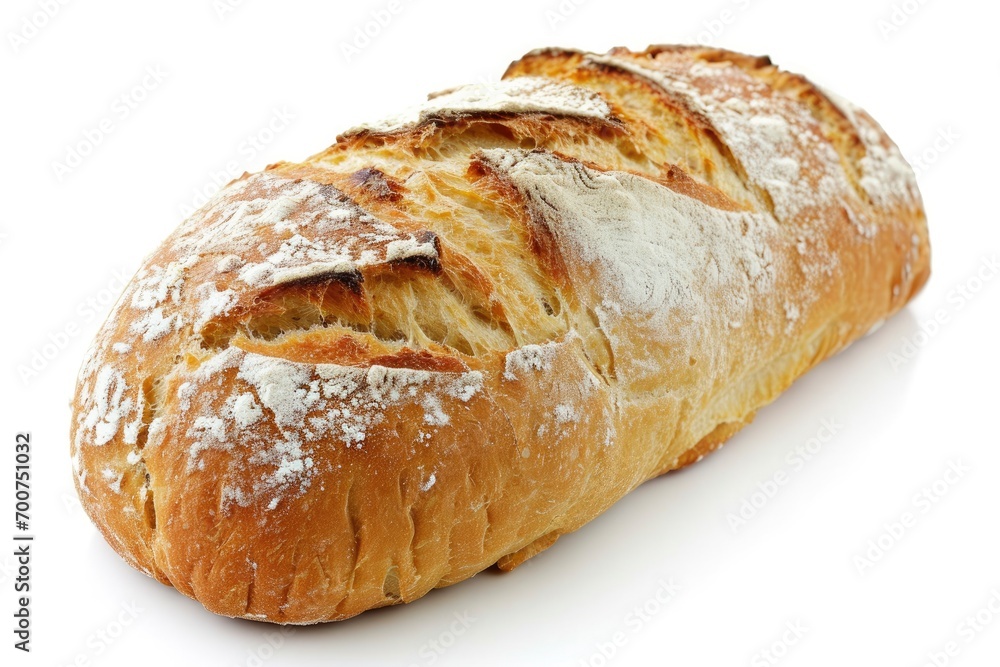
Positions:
{"x": 439, "y": 344}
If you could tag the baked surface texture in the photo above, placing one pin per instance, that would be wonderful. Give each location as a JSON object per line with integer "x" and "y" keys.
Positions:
{"x": 460, "y": 332}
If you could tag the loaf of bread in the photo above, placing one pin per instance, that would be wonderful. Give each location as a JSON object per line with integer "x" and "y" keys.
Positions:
{"x": 461, "y": 332}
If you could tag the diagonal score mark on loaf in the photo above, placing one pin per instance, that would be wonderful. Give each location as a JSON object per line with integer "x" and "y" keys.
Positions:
{"x": 302, "y": 254}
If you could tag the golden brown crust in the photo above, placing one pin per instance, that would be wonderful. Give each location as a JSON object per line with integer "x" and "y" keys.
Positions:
{"x": 448, "y": 339}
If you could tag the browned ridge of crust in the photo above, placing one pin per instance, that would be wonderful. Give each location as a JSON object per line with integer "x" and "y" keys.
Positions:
{"x": 444, "y": 341}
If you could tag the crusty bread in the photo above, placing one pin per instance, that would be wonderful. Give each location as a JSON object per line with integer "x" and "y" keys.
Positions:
{"x": 455, "y": 335}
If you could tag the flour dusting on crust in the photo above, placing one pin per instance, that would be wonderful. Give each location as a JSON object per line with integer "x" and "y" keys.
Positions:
{"x": 529, "y": 358}
{"x": 308, "y": 405}
{"x": 885, "y": 174}
{"x": 270, "y": 230}
{"x": 776, "y": 141}
{"x": 520, "y": 95}
{"x": 655, "y": 251}
{"x": 665, "y": 266}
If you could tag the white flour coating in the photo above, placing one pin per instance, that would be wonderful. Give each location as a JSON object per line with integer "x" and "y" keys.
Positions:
{"x": 310, "y": 405}
{"x": 276, "y": 230}
{"x": 885, "y": 175}
{"x": 771, "y": 136}
{"x": 109, "y": 402}
{"x": 426, "y": 486}
{"x": 569, "y": 388}
{"x": 113, "y": 479}
{"x": 184, "y": 394}
{"x": 525, "y": 94}
{"x": 234, "y": 494}
{"x": 212, "y": 303}
{"x": 229, "y": 263}
{"x": 207, "y": 432}
{"x": 154, "y": 325}
{"x": 791, "y": 311}
{"x": 465, "y": 386}
{"x": 283, "y": 388}
{"x": 404, "y": 248}
{"x": 81, "y": 472}
{"x": 291, "y": 466}
{"x": 433, "y": 414}
{"x": 245, "y": 410}
{"x": 339, "y": 266}
{"x": 156, "y": 434}
{"x": 565, "y": 413}
{"x": 663, "y": 265}
{"x": 529, "y": 358}
{"x": 861, "y": 222}
{"x": 653, "y": 250}
{"x": 792, "y": 315}
{"x": 297, "y": 258}
{"x": 155, "y": 287}
{"x": 110, "y": 405}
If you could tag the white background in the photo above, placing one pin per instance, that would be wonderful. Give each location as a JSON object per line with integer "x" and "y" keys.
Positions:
{"x": 900, "y": 421}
